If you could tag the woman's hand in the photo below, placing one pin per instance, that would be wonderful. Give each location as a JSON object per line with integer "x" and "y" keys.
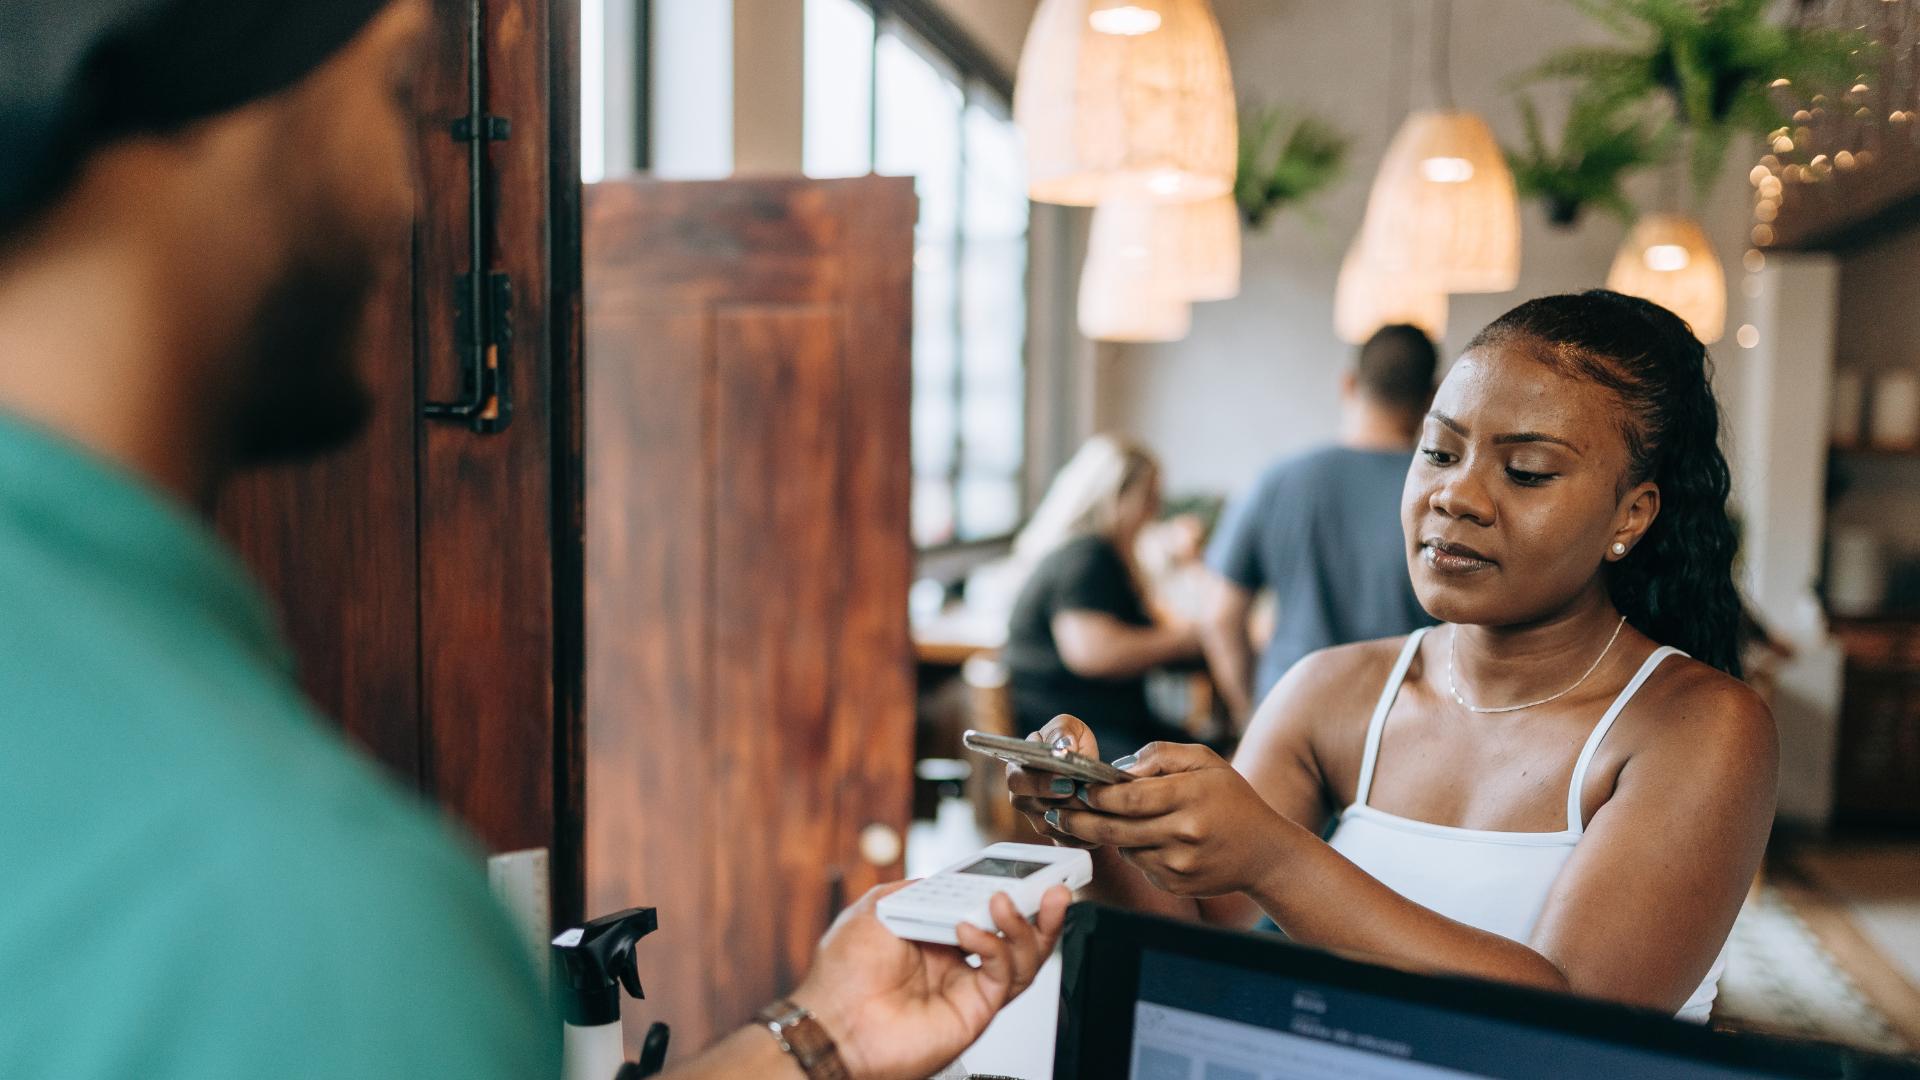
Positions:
{"x": 1033, "y": 792}
{"x": 1190, "y": 823}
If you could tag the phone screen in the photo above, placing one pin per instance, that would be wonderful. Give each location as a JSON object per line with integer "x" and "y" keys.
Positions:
{"x": 1008, "y": 868}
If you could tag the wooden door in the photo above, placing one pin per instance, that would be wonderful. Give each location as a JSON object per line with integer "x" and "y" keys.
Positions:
{"x": 748, "y": 683}
{"x": 422, "y": 572}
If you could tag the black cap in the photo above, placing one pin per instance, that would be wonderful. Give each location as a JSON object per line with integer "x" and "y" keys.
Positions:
{"x": 592, "y": 962}
{"x": 76, "y": 74}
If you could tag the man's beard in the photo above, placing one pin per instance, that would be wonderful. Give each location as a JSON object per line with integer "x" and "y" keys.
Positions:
{"x": 303, "y": 392}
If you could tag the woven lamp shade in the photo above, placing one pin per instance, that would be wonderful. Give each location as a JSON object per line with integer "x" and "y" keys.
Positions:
{"x": 1668, "y": 260}
{"x": 1210, "y": 239}
{"x": 1134, "y": 287}
{"x": 1368, "y": 297}
{"x": 1126, "y": 99}
{"x": 1443, "y": 206}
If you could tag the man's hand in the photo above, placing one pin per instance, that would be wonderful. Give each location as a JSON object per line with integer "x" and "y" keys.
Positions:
{"x": 902, "y": 1010}
{"x": 1190, "y": 823}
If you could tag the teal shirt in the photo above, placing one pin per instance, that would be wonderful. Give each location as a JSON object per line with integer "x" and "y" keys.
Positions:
{"x": 198, "y": 879}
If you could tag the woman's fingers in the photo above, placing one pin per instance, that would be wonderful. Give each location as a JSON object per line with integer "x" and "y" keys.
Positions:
{"x": 1073, "y": 728}
{"x": 1142, "y": 798}
{"x": 1166, "y": 758}
{"x": 1035, "y": 811}
{"x": 1037, "y": 784}
{"x": 1107, "y": 830}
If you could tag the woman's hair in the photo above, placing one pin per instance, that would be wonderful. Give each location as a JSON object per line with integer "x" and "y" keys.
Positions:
{"x": 1084, "y": 498}
{"x": 1676, "y": 586}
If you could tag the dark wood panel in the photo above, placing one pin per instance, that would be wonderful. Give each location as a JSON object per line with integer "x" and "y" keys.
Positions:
{"x": 778, "y": 588}
{"x": 1855, "y": 207}
{"x": 563, "y": 170}
{"x": 487, "y": 501}
{"x": 334, "y": 543}
{"x": 1877, "y": 774}
{"x": 418, "y": 569}
{"x": 873, "y": 712}
{"x": 748, "y": 675}
{"x": 651, "y": 811}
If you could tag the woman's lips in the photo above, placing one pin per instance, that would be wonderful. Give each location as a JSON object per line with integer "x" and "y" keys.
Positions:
{"x": 1453, "y": 559}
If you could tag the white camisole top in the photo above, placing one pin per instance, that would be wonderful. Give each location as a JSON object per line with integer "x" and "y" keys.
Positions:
{"x": 1495, "y": 881}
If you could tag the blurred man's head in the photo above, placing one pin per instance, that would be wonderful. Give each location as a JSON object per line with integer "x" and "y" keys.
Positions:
{"x": 1392, "y": 380}
{"x": 238, "y": 170}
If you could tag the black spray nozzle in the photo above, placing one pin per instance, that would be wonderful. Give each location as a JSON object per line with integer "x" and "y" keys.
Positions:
{"x": 593, "y": 961}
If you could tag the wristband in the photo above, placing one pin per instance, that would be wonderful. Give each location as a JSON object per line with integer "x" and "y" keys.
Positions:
{"x": 802, "y": 1037}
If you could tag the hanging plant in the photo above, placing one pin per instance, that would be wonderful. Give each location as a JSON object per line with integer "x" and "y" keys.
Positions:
{"x": 1599, "y": 146}
{"x": 1284, "y": 160}
{"x": 1713, "y": 61}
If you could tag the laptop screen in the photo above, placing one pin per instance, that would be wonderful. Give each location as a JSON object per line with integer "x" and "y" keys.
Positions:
{"x": 1146, "y": 998}
{"x": 1197, "y": 1020}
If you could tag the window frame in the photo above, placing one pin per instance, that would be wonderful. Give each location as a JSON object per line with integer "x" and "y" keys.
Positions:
{"x": 979, "y": 76}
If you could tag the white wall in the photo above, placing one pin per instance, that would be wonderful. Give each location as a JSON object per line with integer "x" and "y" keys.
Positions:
{"x": 1782, "y": 446}
{"x": 1256, "y": 378}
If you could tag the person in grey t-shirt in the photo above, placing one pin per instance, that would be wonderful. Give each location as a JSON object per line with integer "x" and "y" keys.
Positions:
{"x": 1322, "y": 530}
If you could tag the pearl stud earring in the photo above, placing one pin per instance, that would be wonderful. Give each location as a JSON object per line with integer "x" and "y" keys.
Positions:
{"x": 1619, "y": 548}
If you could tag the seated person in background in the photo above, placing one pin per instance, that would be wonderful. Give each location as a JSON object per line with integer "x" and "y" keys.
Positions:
{"x": 1083, "y": 636}
{"x": 1322, "y": 530}
{"x": 199, "y": 880}
{"x": 1546, "y": 789}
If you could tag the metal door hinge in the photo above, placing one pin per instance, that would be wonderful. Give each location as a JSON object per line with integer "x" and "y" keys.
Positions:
{"x": 483, "y": 299}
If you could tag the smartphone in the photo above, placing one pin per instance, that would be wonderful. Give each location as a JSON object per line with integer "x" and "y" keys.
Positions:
{"x": 1031, "y": 754}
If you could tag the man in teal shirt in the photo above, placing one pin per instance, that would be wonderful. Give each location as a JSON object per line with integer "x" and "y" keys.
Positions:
{"x": 197, "y": 878}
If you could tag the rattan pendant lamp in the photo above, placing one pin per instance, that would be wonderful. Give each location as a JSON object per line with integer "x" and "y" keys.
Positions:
{"x": 1126, "y": 99}
{"x": 1210, "y": 248}
{"x": 1668, "y": 259}
{"x": 1367, "y": 296}
{"x": 1134, "y": 285}
{"x": 1443, "y": 205}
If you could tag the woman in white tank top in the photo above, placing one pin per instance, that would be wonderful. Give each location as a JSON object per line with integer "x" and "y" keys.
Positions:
{"x": 1565, "y": 785}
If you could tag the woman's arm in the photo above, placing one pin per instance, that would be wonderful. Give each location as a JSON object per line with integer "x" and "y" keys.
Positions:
{"x": 1636, "y": 916}
{"x": 1277, "y": 757}
{"x": 1096, "y": 645}
{"x": 1229, "y": 650}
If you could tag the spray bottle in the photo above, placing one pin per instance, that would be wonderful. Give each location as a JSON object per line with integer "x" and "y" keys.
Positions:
{"x": 591, "y": 964}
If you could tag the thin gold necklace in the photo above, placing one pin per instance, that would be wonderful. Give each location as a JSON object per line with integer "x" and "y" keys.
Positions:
{"x": 1454, "y": 632}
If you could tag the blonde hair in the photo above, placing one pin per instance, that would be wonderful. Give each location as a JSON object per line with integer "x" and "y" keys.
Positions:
{"x": 1084, "y": 499}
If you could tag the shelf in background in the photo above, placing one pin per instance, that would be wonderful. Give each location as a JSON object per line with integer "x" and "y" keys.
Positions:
{"x": 1864, "y": 451}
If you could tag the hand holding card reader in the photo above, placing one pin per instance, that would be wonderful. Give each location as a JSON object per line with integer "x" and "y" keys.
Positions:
{"x": 929, "y": 909}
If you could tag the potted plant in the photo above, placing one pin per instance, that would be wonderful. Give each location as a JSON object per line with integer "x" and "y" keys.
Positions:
{"x": 1601, "y": 143}
{"x": 1284, "y": 159}
{"x": 1715, "y": 62}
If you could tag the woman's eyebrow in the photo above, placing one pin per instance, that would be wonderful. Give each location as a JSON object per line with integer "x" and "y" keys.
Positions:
{"x": 1534, "y": 437}
{"x": 1460, "y": 429}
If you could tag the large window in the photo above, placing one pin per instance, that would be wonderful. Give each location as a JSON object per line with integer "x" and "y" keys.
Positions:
{"x": 941, "y": 122}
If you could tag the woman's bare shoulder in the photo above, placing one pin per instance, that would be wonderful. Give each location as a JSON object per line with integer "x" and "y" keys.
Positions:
{"x": 1708, "y": 717}
{"x": 1315, "y": 719}
{"x": 1325, "y": 684}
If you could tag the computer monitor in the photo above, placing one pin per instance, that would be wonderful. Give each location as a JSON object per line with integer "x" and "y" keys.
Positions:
{"x": 1144, "y": 998}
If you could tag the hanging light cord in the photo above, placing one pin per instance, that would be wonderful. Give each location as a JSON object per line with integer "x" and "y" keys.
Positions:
{"x": 1443, "y": 52}
{"x": 1399, "y": 57}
